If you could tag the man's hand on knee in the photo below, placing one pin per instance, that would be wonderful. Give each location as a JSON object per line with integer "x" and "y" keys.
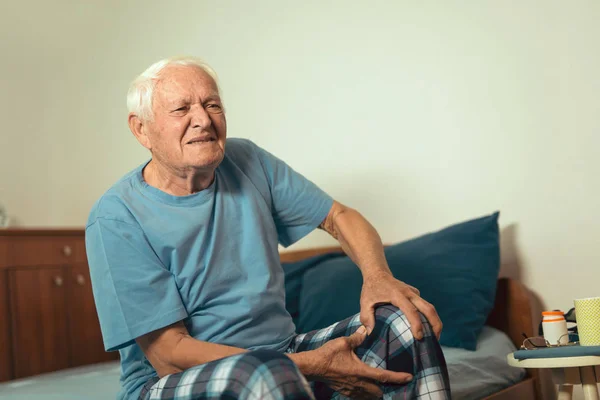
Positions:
{"x": 382, "y": 289}
{"x": 336, "y": 364}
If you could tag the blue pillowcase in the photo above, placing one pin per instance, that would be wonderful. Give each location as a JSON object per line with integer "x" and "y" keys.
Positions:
{"x": 294, "y": 274}
{"x": 455, "y": 269}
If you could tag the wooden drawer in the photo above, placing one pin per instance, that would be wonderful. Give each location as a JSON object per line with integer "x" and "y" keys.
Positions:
{"x": 36, "y": 251}
{"x": 3, "y": 253}
{"x": 38, "y": 306}
{"x": 80, "y": 254}
{"x": 5, "y": 343}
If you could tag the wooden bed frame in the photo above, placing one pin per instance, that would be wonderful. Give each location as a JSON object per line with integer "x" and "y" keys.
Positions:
{"x": 511, "y": 314}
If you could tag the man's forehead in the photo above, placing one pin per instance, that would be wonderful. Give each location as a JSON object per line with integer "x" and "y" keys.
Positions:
{"x": 178, "y": 80}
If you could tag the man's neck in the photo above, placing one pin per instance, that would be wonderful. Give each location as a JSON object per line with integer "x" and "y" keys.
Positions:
{"x": 176, "y": 182}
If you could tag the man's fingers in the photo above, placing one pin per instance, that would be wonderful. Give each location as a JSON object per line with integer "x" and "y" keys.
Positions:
{"x": 372, "y": 390}
{"x": 357, "y": 337}
{"x": 385, "y": 376}
{"x": 429, "y": 311}
{"x": 367, "y": 318}
{"x": 410, "y": 310}
{"x": 414, "y": 289}
{"x": 364, "y": 389}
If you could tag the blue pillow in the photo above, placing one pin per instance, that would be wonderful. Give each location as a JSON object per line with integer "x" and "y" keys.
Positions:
{"x": 294, "y": 274}
{"x": 456, "y": 269}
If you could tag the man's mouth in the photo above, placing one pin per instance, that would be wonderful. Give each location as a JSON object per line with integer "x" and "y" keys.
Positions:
{"x": 206, "y": 139}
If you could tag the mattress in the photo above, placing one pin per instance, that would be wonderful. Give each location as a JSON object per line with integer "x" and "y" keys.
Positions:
{"x": 479, "y": 373}
{"x": 473, "y": 375}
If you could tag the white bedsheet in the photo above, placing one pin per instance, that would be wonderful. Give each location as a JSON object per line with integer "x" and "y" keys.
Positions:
{"x": 479, "y": 373}
{"x": 473, "y": 375}
{"x": 92, "y": 382}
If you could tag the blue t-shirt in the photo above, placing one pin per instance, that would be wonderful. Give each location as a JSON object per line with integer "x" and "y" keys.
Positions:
{"x": 210, "y": 259}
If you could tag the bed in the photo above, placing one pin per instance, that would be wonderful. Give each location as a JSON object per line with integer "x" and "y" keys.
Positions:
{"x": 480, "y": 374}
{"x": 473, "y": 375}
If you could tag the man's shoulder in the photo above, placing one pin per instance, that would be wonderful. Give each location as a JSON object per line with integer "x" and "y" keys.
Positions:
{"x": 115, "y": 203}
{"x": 240, "y": 147}
{"x": 242, "y": 152}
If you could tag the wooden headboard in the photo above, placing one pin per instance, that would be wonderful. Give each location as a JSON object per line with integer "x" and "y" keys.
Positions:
{"x": 512, "y": 311}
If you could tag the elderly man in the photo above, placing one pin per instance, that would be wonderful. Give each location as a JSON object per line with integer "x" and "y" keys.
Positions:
{"x": 183, "y": 253}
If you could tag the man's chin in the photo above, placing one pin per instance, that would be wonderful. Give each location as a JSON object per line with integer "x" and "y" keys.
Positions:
{"x": 206, "y": 163}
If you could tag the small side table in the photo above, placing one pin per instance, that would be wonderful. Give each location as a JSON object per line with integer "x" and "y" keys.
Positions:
{"x": 566, "y": 372}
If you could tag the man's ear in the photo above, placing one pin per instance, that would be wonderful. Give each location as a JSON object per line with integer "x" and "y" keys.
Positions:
{"x": 139, "y": 129}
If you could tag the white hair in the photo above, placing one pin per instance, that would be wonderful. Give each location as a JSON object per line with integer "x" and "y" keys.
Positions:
{"x": 141, "y": 90}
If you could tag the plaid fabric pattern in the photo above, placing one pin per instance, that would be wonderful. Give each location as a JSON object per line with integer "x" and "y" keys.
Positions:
{"x": 391, "y": 346}
{"x": 266, "y": 374}
{"x": 260, "y": 374}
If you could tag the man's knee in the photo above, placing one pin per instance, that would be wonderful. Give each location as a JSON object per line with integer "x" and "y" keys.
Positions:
{"x": 277, "y": 376}
{"x": 391, "y": 316}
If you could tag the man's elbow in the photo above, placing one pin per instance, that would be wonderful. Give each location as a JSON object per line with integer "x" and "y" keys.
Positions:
{"x": 337, "y": 213}
{"x": 163, "y": 351}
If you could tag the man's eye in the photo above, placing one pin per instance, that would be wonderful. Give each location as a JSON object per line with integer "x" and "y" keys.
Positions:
{"x": 214, "y": 107}
{"x": 181, "y": 108}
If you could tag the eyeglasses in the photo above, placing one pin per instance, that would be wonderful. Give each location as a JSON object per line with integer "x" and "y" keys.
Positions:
{"x": 537, "y": 342}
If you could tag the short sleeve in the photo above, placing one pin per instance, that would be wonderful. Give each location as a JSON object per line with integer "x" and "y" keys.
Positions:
{"x": 298, "y": 205}
{"x": 134, "y": 293}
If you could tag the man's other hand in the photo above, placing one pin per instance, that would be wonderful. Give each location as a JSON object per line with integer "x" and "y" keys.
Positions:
{"x": 339, "y": 367}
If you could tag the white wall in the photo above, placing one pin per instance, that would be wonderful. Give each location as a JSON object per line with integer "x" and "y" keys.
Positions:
{"x": 418, "y": 114}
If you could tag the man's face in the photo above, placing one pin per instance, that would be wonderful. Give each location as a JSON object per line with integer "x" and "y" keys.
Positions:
{"x": 189, "y": 126}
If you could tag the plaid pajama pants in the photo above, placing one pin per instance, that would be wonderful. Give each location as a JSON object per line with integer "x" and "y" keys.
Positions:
{"x": 267, "y": 374}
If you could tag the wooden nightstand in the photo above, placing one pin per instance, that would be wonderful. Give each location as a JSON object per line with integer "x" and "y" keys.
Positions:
{"x": 566, "y": 372}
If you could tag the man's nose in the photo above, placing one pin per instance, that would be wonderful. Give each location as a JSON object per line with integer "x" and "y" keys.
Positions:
{"x": 200, "y": 117}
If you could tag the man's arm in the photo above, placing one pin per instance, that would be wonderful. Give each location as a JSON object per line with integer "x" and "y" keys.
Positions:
{"x": 171, "y": 349}
{"x": 358, "y": 238}
{"x": 361, "y": 242}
